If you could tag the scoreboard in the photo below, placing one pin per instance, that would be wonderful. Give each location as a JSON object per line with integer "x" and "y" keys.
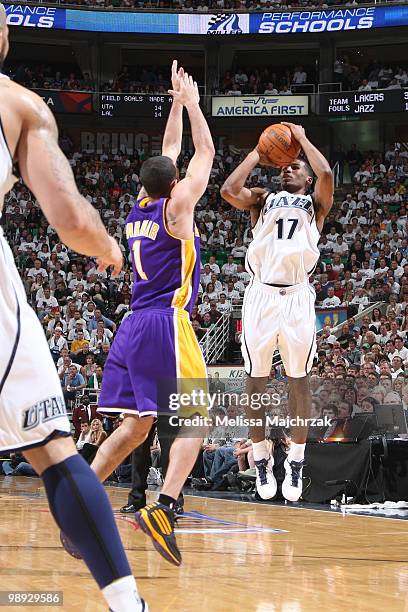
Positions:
{"x": 351, "y": 103}
{"x": 134, "y": 105}
{"x": 364, "y": 102}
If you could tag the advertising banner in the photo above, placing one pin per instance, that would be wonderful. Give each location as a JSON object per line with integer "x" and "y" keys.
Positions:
{"x": 66, "y": 101}
{"x": 35, "y": 16}
{"x": 222, "y": 23}
{"x": 328, "y": 20}
{"x": 302, "y": 21}
{"x": 259, "y": 106}
{"x": 232, "y": 378}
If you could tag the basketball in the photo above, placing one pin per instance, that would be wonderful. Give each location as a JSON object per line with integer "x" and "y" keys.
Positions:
{"x": 278, "y": 146}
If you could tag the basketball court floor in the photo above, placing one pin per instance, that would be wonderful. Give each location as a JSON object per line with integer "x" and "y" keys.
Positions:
{"x": 236, "y": 556}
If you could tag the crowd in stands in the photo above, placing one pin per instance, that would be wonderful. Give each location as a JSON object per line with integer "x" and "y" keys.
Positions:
{"x": 134, "y": 79}
{"x": 266, "y": 81}
{"x": 299, "y": 79}
{"x": 374, "y": 75}
{"x": 269, "y": 81}
{"x": 143, "y": 80}
{"x": 46, "y": 76}
{"x": 364, "y": 259}
{"x": 156, "y": 80}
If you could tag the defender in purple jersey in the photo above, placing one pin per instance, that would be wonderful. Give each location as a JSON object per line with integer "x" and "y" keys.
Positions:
{"x": 156, "y": 346}
{"x": 155, "y": 352}
{"x": 166, "y": 268}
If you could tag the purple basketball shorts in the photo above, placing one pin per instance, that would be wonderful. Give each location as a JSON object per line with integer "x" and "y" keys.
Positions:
{"x": 152, "y": 352}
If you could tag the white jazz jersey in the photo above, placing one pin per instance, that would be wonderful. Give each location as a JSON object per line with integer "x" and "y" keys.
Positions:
{"x": 32, "y": 408}
{"x": 284, "y": 246}
{"x": 279, "y": 303}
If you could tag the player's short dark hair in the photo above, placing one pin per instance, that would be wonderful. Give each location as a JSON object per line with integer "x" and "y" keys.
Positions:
{"x": 308, "y": 168}
{"x": 157, "y": 174}
{"x": 309, "y": 172}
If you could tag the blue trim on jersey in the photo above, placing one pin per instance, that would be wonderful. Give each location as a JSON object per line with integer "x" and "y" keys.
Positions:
{"x": 249, "y": 266}
{"x": 243, "y": 339}
{"x": 15, "y": 346}
{"x": 308, "y": 355}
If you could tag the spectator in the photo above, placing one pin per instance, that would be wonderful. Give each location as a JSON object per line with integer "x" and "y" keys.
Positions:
{"x": 18, "y": 466}
{"x": 199, "y": 332}
{"x": 214, "y": 313}
{"x": 57, "y": 343}
{"x": 46, "y": 304}
{"x": 72, "y": 382}
{"x": 79, "y": 343}
{"x": 97, "y": 436}
{"x": 84, "y": 436}
{"x": 365, "y": 86}
{"x": 95, "y": 380}
{"x": 299, "y": 76}
{"x": 331, "y": 301}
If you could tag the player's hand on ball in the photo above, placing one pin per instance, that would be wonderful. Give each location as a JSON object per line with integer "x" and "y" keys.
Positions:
{"x": 113, "y": 257}
{"x": 298, "y": 131}
{"x": 263, "y": 160}
{"x": 188, "y": 91}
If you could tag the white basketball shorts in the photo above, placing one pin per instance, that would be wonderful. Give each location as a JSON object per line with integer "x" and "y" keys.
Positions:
{"x": 278, "y": 318}
{"x": 32, "y": 407}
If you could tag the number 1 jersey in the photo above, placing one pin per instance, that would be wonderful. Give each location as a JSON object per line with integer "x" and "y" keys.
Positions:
{"x": 284, "y": 246}
{"x": 166, "y": 269}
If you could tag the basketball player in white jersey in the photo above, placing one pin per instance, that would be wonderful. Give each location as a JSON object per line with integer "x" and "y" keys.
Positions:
{"x": 278, "y": 309}
{"x": 33, "y": 417}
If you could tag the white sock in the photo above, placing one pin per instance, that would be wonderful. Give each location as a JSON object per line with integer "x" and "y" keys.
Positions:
{"x": 122, "y": 595}
{"x": 260, "y": 450}
{"x": 296, "y": 452}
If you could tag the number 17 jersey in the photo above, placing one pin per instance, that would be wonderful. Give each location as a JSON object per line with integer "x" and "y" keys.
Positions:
{"x": 284, "y": 246}
{"x": 166, "y": 269}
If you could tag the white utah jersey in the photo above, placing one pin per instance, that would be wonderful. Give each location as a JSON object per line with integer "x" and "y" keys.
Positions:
{"x": 32, "y": 408}
{"x": 6, "y": 165}
{"x": 284, "y": 246}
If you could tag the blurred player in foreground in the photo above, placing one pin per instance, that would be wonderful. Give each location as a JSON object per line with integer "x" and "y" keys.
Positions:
{"x": 278, "y": 309}
{"x": 157, "y": 343}
{"x": 33, "y": 416}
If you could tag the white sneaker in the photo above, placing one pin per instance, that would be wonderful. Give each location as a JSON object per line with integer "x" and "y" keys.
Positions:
{"x": 266, "y": 484}
{"x": 293, "y": 484}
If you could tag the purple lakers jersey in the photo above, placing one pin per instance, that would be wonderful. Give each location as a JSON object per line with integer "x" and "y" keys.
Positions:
{"x": 166, "y": 269}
